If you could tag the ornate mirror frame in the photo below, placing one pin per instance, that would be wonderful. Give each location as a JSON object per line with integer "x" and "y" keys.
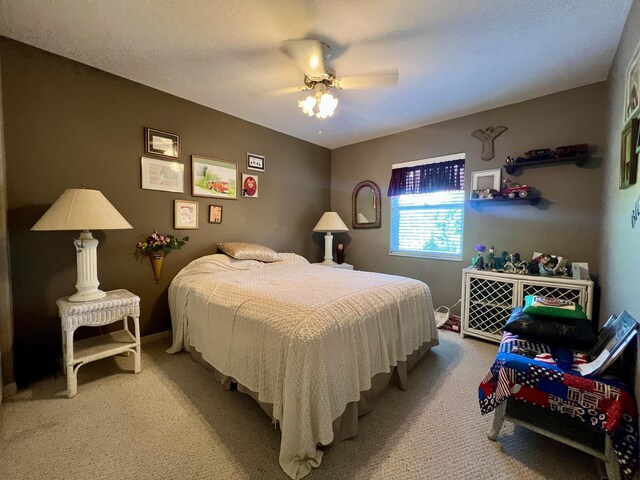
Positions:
{"x": 354, "y": 205}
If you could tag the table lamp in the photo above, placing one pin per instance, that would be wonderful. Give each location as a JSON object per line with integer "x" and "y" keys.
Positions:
{"x": 83, "y": 209}
{"x": 329, "y": 222}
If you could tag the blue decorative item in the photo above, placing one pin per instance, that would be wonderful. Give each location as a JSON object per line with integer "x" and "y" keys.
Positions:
{"x": 478, "y": 260}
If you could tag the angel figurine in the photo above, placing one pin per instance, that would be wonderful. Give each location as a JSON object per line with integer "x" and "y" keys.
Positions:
{"x": 487, "y": 136}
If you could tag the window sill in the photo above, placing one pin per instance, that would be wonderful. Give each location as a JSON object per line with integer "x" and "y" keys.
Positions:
{"x": 429, "y": 256}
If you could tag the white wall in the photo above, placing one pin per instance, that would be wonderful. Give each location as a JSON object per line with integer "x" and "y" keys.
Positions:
{"x": 620, "y": 246}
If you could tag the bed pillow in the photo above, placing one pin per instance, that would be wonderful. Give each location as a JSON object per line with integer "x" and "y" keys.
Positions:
{"x": 573, "y": 333}
{"x": 552, "y": 307}
{"x": 249, "y": 251}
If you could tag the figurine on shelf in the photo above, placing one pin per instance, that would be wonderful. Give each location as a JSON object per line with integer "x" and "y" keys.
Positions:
{"x": 513, "y": 264}
{"x": 492, "y": 257}
{"x": 478, "y": 260}
{"x": 501, "y": 261}
{"x": 513, "y": 190}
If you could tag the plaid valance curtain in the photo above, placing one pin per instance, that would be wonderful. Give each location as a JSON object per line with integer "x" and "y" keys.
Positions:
{"x": 433, "y": 177}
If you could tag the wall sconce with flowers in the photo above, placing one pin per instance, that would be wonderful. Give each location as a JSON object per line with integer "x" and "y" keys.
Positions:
{"x": 156, "y": 247}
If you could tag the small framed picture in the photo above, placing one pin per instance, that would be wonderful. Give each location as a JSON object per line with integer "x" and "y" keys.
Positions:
{"x": 249, "y": 185}
{"x": 484, "y": 182}
{"x": 255, "y": 162}
{"x": 185, "y": 215}
{"x": 628, "y": 155}
{"x": 162, "y": 175}
{"x": 632, "y": 87}
{"x": 164, "y": 144}
{"x": 213, "y": 178}
{"x": 215, "y": 213}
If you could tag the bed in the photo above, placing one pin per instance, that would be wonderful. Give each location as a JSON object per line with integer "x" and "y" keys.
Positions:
{"x": 306, "y": 341}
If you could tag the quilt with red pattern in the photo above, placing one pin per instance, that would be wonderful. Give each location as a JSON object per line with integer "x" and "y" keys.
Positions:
{"x": 527, "y": 371}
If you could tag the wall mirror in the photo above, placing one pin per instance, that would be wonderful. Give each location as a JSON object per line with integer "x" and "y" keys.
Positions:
{"x": 365, "y": 205}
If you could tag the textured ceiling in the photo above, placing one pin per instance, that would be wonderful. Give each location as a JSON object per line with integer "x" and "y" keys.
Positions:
{"x": 455, "y": 57}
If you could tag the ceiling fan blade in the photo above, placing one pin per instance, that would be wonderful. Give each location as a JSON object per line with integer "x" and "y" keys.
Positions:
{"x": 308, "y": 55}
{"x": 381, "y": 78}
{"x": 284, "y": 91}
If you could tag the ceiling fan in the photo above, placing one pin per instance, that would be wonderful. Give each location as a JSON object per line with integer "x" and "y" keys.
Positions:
{"x": 310, "y": 56}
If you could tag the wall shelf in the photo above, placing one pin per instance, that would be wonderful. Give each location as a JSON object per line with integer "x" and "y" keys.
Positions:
{"x": 532, "y": 199}
{"x": 512, "y": 167}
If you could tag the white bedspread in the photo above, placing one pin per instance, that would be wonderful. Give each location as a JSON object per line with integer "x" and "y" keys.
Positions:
{"x": 307, "y": 338}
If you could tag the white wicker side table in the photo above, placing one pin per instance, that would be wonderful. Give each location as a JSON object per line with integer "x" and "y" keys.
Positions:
{"x": 117, "y": 305}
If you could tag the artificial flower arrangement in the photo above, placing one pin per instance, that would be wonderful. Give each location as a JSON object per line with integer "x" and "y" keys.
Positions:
{"x": 160, "y": 243}
{"x": 156, "y": 246}
{"x": 478, "y": 260}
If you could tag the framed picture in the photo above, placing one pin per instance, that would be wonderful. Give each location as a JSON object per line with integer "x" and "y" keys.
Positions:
{"x": 162, "y": 175}
{"x": 249, "y": 185}
{"x": 213, "y": 178}
{"x": 632, "y": 87}
{"x": 628, "y": 155}
{"x": 164, "y": 144}
{"x": 215, "y": 213}
{"x": 483, "y": 181}
{"x": 580, "y": 270}
{"x": 255, "y": 162}
{"x": 613, "y": 338}
{"x": 185, "y": 215}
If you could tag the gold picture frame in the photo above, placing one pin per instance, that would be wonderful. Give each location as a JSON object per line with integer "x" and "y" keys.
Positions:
{"x": 628, "y": 155}
{"x": 632, "y": 88}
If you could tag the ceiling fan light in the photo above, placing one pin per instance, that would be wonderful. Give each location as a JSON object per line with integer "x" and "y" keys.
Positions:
{"x": 307, "y": 105}
{"x": 327, "y": 104}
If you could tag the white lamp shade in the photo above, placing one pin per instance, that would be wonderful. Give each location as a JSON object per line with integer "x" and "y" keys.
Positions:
{"x": 330, "y": 222}
{"x": 81, "y": 209}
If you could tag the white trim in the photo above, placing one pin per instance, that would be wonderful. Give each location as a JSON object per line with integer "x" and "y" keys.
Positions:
{"x": 431, "y": 256}
{"x": 154, "y": 337}
{"x": 428, "y": 161}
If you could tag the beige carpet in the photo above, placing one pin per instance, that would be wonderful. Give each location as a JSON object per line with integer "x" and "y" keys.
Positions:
{"x": 172, "y": 421}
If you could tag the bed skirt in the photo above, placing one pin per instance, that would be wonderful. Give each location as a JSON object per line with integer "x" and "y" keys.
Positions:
{"x": 346, "y": 425}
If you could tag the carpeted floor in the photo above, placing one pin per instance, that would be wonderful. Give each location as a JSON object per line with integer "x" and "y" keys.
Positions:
{"x": 173, "y": 422}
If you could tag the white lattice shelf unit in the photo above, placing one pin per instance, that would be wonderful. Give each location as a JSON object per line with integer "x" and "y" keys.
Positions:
{"x": 488, "y": 298}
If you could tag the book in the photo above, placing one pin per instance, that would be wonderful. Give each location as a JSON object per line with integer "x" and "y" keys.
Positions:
{"x": 613, "y": 338}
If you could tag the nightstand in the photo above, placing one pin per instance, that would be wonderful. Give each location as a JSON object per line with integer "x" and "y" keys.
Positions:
{"x": 344, "y": 266}
{"x": 117, "y": 305}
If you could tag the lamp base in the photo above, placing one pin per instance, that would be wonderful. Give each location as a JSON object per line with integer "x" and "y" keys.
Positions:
{"x": 87, "y": 269}
{"x": 328, "y": 248}
{"x": 328, "y": 262}
{"x": 87, "y": 296}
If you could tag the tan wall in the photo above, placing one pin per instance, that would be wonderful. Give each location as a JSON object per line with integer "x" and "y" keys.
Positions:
{"x": 621, "y": 243}
{"x": 566, "y": 222}
{"x": 67, "y": 124}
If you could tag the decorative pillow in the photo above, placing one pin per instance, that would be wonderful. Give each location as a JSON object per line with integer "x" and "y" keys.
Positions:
{"x": 573, "y": 333}
{"x": 249, "y": 251}
{"x": 552, "y": 307}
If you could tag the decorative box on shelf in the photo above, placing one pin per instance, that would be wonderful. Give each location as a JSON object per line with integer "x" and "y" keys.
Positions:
{"x": 489, "y": 297}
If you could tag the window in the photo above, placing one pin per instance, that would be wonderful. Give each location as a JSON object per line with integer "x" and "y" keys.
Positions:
{"x": 428, "y": 224}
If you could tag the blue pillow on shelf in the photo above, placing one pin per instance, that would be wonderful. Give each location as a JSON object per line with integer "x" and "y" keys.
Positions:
{"x": 573, "y": 333}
